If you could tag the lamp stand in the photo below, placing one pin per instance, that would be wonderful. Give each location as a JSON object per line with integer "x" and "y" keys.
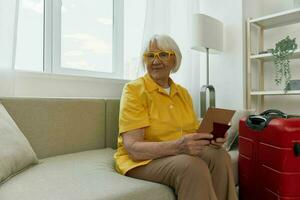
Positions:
{"x": 204, "y": 88}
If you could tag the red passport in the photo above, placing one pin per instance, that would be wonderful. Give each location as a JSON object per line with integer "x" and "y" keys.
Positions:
{"x": 219, "y": 130}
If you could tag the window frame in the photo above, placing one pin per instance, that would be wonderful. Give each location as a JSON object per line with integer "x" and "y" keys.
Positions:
{"x": 52, "y": 42}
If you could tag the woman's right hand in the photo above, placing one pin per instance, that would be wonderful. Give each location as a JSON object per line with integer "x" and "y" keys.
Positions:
{"x": 193, "y": 143}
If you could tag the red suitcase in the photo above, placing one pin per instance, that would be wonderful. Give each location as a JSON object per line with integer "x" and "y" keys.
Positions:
{"x": 269, "y": 159}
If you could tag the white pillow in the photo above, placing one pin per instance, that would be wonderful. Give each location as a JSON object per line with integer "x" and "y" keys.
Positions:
{"x": 233, "y": 131}
{"x": 15, "y": 151}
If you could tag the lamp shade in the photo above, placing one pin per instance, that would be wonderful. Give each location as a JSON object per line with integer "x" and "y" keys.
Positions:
{"x": 207, "y": 32}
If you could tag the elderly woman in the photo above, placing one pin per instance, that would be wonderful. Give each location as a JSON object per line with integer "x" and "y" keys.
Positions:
{"x": 158, "y": 139}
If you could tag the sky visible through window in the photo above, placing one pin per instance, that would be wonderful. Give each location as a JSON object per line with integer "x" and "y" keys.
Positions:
{"x": 86, "y": 35}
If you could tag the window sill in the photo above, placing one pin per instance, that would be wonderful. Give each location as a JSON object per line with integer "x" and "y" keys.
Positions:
{"x": 28, "y": 74}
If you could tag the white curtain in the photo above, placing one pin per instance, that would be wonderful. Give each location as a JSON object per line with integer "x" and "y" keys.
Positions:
{"x": 8, "y": 24}
{"x": 173, "y": 17}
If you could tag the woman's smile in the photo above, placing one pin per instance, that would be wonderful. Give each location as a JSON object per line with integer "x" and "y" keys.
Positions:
{"x": 158, "y": 67}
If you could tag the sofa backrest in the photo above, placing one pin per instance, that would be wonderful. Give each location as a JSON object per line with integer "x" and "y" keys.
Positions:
{"x": 112, "y": 122}
{"x": 56, "y": 126}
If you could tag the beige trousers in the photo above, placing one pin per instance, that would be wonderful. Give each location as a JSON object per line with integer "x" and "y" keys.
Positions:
{"x": 208, "y": 177}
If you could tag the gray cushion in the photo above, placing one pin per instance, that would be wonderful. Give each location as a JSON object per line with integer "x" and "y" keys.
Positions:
{"x": 234, "y": 154}
{"x": 233, "y": 130}
{"x": 83, "y": 175}
{"x": 15, "y": 151}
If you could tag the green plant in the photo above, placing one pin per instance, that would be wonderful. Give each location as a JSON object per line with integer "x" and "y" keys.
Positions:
{"x": 284, "y": 49}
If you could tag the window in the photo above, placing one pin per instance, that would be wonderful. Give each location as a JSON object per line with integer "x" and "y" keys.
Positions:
{"x": 96, "y": 37}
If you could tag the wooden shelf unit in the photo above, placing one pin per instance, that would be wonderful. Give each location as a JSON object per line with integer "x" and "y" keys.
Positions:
{"x": 261, "y": 24}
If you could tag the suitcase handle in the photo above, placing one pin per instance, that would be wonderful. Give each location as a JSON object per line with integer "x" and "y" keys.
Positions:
{"x": 259, "y": 122}
{"x": 274, "y": 112}
{"x": 278, "y": 113}
{"x": 296, "y": 149}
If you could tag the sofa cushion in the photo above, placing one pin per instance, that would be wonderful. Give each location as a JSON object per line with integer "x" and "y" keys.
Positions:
{"x": 83, "y": 175}
{"x": 15, "y": 151}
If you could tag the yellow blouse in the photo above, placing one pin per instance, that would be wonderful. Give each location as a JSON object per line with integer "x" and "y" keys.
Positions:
{"x": 145, "y": 104}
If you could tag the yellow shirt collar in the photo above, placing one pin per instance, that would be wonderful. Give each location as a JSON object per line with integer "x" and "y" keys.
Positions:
{"x": 151, "y": 85}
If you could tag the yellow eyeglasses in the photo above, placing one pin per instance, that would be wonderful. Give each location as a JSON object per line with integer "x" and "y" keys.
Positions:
{"x": 161, "y": 55}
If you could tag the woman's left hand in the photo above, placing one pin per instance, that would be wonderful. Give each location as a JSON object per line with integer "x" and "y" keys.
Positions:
{"x": 219, "y": 142}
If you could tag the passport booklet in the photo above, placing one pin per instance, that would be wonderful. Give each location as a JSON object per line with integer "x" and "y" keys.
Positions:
{"x": 216, "y": 121}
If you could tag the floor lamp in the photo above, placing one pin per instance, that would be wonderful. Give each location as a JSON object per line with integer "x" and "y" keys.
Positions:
{"x": 207, "y": 36}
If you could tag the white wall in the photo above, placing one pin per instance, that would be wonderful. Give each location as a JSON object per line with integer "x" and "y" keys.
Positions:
{"x": 226, "y": 68}
{"x": 257, "y": 8}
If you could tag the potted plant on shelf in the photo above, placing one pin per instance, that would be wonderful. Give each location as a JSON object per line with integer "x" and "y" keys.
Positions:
{"x": 282, "y": 53}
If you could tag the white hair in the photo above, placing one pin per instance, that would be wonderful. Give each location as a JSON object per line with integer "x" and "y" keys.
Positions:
{"x": 164, "y": 42}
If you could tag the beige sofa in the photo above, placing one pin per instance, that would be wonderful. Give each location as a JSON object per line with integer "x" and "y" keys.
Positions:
{"x": 75, "y": 141}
